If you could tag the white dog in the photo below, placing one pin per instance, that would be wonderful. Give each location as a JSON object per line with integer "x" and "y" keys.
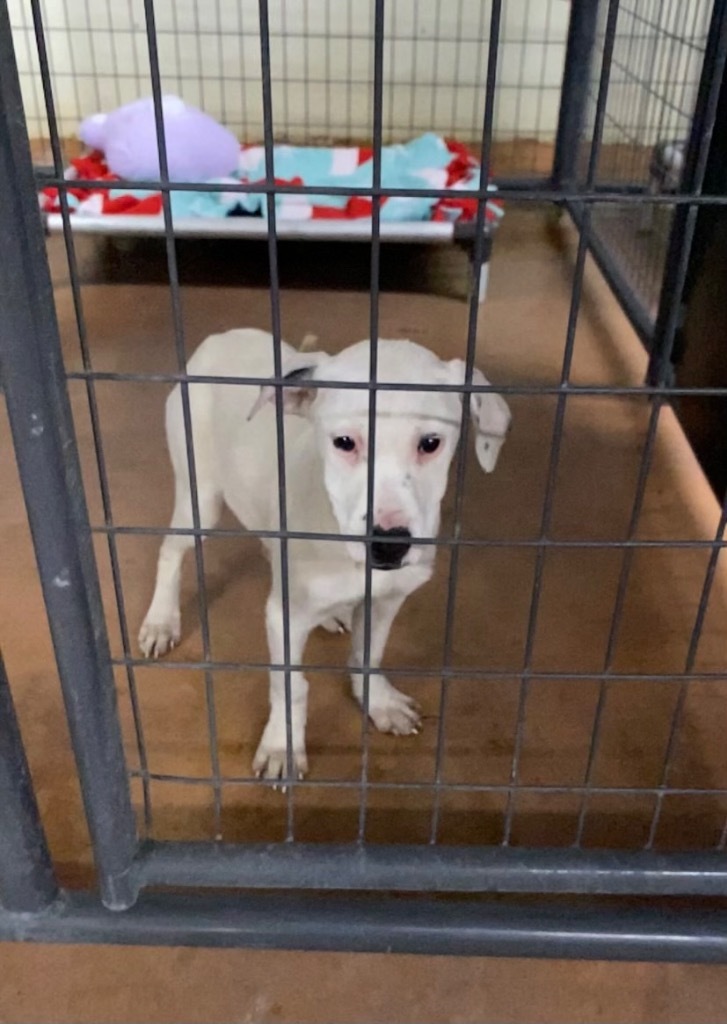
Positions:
{"x": 326, "y": 474}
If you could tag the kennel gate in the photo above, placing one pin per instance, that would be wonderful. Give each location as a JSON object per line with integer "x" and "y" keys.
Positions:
{"x": 504, "y": 900}
{"x": 654, "y": 128}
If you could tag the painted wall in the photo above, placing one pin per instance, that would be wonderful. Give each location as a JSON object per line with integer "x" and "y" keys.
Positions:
{"x": 322, "y": 63}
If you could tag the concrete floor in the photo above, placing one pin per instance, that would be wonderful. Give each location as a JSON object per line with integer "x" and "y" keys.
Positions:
{"x": 520, "y": 341}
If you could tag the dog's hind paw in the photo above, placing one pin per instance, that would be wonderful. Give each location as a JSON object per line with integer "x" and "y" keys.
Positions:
{"x": 396, "y": 713}
{"x": 156, "y": 638}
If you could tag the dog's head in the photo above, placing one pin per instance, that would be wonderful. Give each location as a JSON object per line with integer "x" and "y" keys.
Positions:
{"x": 416, "y": 434}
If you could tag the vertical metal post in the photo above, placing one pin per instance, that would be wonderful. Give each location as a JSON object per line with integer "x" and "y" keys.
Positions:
{"x": 27, "y": 880}
{"x": 50, "y": 473}
{"x": 678, "y": 257}
{"x": 574, "y": 92}
{"x": 479, "y": 253}
{"x": 276, "y": 331}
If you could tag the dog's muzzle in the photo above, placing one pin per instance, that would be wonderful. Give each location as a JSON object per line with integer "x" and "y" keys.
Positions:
{"x": 389, "y": 553}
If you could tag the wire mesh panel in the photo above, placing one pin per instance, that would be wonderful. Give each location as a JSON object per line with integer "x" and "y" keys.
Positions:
{"x": 657, "y": 65}
{"x": 563, "y": 666}
{"x": 321, "y": 69}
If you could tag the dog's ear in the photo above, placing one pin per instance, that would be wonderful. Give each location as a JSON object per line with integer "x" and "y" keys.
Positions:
{"x": 299, "y": 368}
{"x": 491, "y": 416}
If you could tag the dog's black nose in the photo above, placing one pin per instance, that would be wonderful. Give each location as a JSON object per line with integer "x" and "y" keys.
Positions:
{"x": 389, "y": 553}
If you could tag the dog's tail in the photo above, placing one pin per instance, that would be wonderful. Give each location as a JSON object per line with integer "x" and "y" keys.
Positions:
{"x": 309, "y": 343}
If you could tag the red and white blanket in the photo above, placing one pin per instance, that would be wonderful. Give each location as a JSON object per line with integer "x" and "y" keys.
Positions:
{"x": 426, "y": 162}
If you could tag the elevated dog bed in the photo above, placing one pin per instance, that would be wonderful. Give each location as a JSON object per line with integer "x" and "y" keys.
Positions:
{"x": 426, "y": 162}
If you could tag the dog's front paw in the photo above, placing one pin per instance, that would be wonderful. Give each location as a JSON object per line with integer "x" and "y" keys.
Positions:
{"x": 394, "y": 712}
{"x": 271, "y": 762}
{"x": 156, "y": 638}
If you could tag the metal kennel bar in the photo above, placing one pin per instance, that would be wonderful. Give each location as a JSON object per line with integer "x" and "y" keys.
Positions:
{"x": 471, "y": 346}
{"x": 685, "y": 217}
{"x": 268, "y": 132}
{"x": 91, "y": 392}
{"x": 27, "y": 880}
{"x": 335, "y": 924}
{"x": 362, "y": 895}
{"x": 181, "y": 358}
{"x": 46, "y": 453}
{"x": 581, "y": 41}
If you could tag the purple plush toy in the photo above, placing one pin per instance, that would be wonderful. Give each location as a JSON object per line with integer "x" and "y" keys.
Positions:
{"x": 198, "y": 148}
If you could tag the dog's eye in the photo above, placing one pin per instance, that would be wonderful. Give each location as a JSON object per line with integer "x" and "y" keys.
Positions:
{"x": 429, "y": 444}
{"x": 346, "y": 444}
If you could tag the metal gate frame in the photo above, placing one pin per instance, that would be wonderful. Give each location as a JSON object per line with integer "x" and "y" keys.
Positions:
{"x": 428, "y": 899}
{"x": 657, "y": 333}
